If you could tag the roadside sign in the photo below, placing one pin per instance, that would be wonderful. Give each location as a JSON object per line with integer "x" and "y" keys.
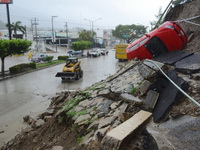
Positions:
{"x": 6, "y": 1}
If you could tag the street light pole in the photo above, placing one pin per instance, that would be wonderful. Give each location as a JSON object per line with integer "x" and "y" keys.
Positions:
{"x": 92, "y": 24}
{"x": 53, "y": 40}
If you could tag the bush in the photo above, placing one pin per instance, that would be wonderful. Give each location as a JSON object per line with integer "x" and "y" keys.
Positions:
{"x": 49, "y": 58}
{"x": 81, "y": 45}
{"x": 22, "y": 67}
{"x": 62, "y": 57}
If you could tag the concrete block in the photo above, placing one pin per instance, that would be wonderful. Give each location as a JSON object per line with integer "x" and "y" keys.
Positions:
{"x": 151, "y": 99}
{"x": 115, "y": 138}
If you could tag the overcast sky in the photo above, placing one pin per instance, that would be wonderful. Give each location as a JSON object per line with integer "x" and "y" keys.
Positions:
{"x": 111, "y": 12}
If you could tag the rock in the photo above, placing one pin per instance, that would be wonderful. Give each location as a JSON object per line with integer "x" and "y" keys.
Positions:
{"x": 130, "y": 98}
{"x": 39, "y": 123}
{"x": 151, "y": 99}
{"x": 26, "y": 118}
{"x": 103, "y": 122}
{"x": 152, "y": 65}
{"x": 57, "y": 148}
{"x": 47, "y": 118}
{"x": 78, "y": 108}
{"x": 93, "y": 125}
{"x": 87, "y": 138}
{"x": 114, "y": 105}
{"x": 145, "y": 71}
{"x": 28, "y": 129}
{"x": 144, "y": 87}
{"x": 196, "y": 76}
{"x": 124, "y": 116}
{"x": 1, "y": 131}
{"x": 104, "y": 92}
{"x": 104, "y": 106}
{"x": 189, "y": 65}
{"x": 120, "y": 109}
{"x": 85, "y": 103}
{"x": 99, "y": 134}
{"x": 82, "y": 118}
{"x": 48, "y": 112}
{"x": 96, "y": 101}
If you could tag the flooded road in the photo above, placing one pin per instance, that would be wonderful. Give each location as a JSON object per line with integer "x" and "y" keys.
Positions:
{"x": 30, "y": 94}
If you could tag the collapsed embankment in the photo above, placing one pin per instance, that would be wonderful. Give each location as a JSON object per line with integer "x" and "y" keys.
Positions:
{"x": 191, "y": 27}
{"x": 82, "y": 119}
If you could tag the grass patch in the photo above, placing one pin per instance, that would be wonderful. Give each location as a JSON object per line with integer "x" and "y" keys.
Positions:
{"x": 46, "y": 64}
{"x": 133, "y": 89}
{"x": 80, "y": 139}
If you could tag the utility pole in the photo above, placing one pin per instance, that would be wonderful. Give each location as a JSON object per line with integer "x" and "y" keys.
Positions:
{"x": 32, "y": 28}
{"x": 67, "y": 35}
{"x": 8, "y": 16}
{"x": 53, "y": 34}
{"x": 36, "y": 34}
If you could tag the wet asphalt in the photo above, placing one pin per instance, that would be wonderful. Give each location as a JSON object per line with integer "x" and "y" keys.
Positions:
{"x": 30, "y": 94}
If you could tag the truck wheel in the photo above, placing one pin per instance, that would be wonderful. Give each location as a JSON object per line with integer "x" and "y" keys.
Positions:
{"x": 77, "y": 76}
{"x": 81, "y": 73}
{"x": 63, "y": 78}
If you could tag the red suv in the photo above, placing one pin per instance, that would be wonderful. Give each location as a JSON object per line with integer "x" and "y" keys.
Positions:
{"x": 168, "y": 37}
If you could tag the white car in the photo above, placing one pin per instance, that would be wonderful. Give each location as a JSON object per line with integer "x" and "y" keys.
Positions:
{"x": 38, "y": 58}
{"x": 104, "y": 52}
{"x": 95, "y": 53}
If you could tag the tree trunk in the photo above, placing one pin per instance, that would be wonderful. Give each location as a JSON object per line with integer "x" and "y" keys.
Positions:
{"x": 2, "y": 66}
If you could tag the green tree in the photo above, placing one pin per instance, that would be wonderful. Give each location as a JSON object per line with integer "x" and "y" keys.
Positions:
{"x": 129, "y": 31}
{"x": 86, "y": 35}
{"x": 155, "y": 24}
{"x": 81, "y": 45}
{"x": 16, "y": 26}
{"x": 12, "y": 47}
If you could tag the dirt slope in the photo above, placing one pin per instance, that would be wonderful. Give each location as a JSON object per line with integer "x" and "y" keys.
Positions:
{"x": 187, "y": 10}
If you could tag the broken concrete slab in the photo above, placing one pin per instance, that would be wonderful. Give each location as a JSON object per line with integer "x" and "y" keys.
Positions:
{"x": 129, "y": 98}
{"x": 151, "y": 99}
{"x": 168, "y": 96}
{"x": 189, "y": 65}
{"x": 152, "y": 65}
{"x": 145, "y": 71}
{"x": 171, "y": 58}
{"x": 116, "y": 137}
{"x": 144, "y": 87}
{"x": 82, "y": 118}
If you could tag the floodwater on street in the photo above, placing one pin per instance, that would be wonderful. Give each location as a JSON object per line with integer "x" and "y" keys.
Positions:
{"x": 30, "y": 94}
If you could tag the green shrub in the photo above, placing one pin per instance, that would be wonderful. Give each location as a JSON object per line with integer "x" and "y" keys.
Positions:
{"x": 49, "y": 58}
{"x": 22, "y": 67}
{"x": 62, "y": 57}
{"x": 81, "y": 45}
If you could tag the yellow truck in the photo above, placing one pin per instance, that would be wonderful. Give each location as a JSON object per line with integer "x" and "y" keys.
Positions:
{"x": 120, "y": 52}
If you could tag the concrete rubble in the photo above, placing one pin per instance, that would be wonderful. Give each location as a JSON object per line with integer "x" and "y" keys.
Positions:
{"x": 110, "y": 106}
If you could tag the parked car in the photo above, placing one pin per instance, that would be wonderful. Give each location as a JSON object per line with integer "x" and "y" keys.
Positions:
{"x": 103, "y": 52}
{"x": 39, "y": 57}
{"x": 76, "y": 52}
{"x": 168, "y": 37}
{"x": 94, "y": 53}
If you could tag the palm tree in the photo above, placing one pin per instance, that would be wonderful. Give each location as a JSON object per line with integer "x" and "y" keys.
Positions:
{"x": 17, "y": 27}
